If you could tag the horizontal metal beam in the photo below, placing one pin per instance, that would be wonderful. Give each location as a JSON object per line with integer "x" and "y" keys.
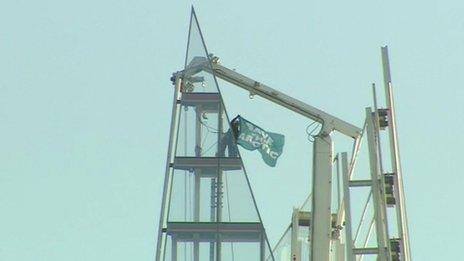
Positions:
{"x": 210, "y": 231}
{"x": 328, "y": 121}
{"x": 207, "y": 164}
{"x": 204, "y": 101}
{"x": 360, "y": 183}
{"x": 366, "y": 251}
{"x": 304, "y": 218}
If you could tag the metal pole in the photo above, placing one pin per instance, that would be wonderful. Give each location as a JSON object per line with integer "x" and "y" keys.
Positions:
{"x": 339, "y": 197}
{"x": 321, "y": 220}
{"x": 262, "y": 247}
{"x": 255, "y": 87}
{"x": 294, "y": 244}
{"x": 395, "y": 158}
{"x": 380, "y": 218}
{"x": 212, "y": 216}
{"x": 377, "y": 128}
{"x": 198, "y": 150}
{"x": 354, "y": 155}
{"x": 219, "y": 183}
{"x": 167, "y": 177}
{"x": 174, "y": 249}
{"x": 346, "y": 192}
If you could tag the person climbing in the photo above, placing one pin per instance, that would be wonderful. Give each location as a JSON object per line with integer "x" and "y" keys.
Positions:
{"x": 229, "y": 139}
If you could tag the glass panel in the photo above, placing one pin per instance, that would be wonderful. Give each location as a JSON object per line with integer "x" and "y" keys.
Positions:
{"x": 238, "y": 202}
{"x": 182, "y": 204}
{"x": 303, "y": 235}
{"x": 185, "y": 251}
{"x": 186, "y": 133}
{"x": 240, "y": 251}
{"x": 268, "y": 254}
{"x": 198, "y": 132}
{"x": 283, "y": 249}
{"x": 205, "y": 133}
{"x": 198, "y": 80}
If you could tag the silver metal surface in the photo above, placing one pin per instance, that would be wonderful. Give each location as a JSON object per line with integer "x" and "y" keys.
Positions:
{"x": 321, "y": 219}
{"x": 167, "y": 176}
{"x": 395, "y": 158}
{"x": 348, "y": 221}
{"x": 330, "y": 122}
{"x": 379, "y": 205}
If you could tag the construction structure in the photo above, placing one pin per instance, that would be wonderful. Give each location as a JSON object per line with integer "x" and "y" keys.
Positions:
{"x": 208, "y": 209}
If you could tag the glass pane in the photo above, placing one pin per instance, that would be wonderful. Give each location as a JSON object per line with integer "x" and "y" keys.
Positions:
{"x": 186, "y": 251}
{"x": 240, "y": 251}
{"x": 238, "y": 202}
{"x": 197, "y": 59}
{"x": 198, "y": 132}
{"x": 182, "y": 204}
{"x": 205, "y": 133}
{"x": 283, "y": 249}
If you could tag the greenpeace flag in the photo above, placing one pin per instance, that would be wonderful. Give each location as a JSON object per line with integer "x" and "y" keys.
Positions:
{"x": 252, "y": 137}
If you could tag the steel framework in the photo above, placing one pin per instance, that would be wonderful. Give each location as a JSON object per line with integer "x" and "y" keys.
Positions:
{"x": 319, "y": 232}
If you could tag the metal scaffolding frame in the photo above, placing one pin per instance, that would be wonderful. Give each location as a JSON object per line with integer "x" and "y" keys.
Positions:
{"x": 325, "y": 224}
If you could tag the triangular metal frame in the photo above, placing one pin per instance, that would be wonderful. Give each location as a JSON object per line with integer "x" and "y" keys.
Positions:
{"x": 197, "y": 229}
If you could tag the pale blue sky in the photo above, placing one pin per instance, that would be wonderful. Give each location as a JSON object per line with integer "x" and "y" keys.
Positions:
{"x": 85, "y": 103}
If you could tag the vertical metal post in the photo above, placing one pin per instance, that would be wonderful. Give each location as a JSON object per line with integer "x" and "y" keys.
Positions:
{"x": 379, "y": 204}
{"x": 168, "y": 173}
{"x": 339, "y": 246}
{"x": 174, "y": 249}
{"x": 339, "y": 195}
{"x": 262, "y": 248}
{"x": 346, "y": 193}
{"x": 219, "y": 182}
{"x": 198, "y": 150}
{"x": 196, "y": 247}
{"x": 341, "y": 253}
{"x": 354, "y": 155}
{"x": 212, "y": 216}
{"x": 377, "y": 128}
{"x": 295, "y": 244}
{"x": 395, "y": 159}
{"x": 321, "y": 221}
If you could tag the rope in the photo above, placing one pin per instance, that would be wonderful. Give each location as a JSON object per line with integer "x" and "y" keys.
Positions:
{"x": 209, "y": 128}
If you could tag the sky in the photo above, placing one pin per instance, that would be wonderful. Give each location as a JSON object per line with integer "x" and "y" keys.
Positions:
{"x": 85, "y": 110}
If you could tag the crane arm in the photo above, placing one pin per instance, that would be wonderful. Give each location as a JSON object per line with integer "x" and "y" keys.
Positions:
{"x": 329, "y": 122}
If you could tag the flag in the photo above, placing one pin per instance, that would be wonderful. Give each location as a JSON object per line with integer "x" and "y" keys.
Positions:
{"x": 252, "y": 137}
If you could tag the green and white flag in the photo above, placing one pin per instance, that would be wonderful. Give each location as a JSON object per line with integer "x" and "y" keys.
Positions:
{"x": 252, "y": 137}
